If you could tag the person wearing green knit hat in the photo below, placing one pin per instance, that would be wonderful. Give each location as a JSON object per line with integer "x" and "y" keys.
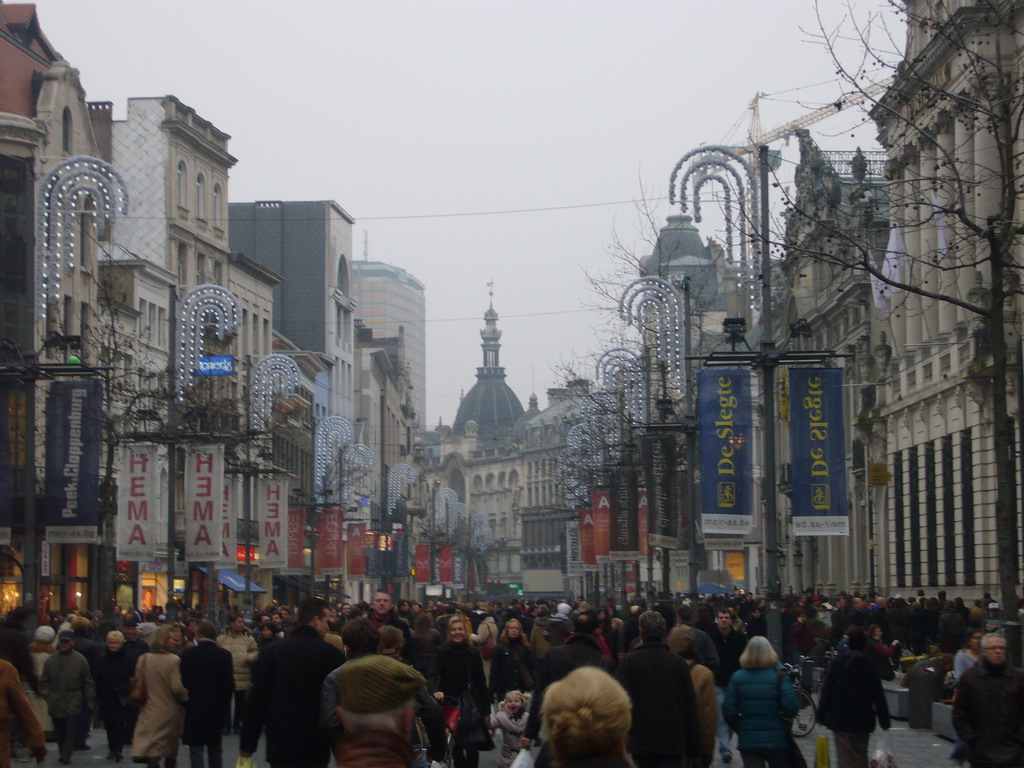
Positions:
{"x": 376, "y": 704}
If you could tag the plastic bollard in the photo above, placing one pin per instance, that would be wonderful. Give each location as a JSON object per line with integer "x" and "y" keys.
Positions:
{"x": 821, "y": 756}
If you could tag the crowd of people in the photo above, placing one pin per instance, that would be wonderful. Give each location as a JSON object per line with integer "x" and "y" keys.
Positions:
{"x": 383, "y": 684}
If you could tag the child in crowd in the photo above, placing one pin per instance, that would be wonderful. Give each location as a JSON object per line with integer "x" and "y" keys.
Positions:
{"x": 511, "y": 721}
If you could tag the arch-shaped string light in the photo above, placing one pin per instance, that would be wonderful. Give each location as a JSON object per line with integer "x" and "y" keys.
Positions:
{"x": 443, "y": 500}
{"x": 355, "y": 459}
{"x": 61, "y": 197}
{"x": 202, "y": 307}
{"x": 399, "y": 477}
{"x": 273, "y": 376}
{"x": 621, "y": 368}
{"x": 652, "y": 304}
{"x": 332, "y": 435}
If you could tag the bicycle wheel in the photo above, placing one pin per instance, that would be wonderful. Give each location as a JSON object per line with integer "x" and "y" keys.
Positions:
{"x": 805, "y": 719}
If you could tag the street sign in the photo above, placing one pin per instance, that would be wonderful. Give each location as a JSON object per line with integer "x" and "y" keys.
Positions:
{"x": 215, "y": 365}
{"x": 878, "y": 474}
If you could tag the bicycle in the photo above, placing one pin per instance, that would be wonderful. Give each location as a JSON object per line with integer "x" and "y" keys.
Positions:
{"x": 806, "y": 718}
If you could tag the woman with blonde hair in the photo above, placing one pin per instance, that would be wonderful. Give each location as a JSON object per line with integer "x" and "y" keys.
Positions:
{"x": 457, "y": 670}
{"x": 512, "y": 667}
{"x": 588, "y": 715}
{"x": 158, "y": 730}
{"x": 757, "y": 702}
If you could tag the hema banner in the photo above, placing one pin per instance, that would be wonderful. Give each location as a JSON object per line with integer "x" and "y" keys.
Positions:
{"x": 138, "y": 503}
{"x": 818, "y": 447}
{"x": 724, "y": 420}
{"x": 74, "y": 431}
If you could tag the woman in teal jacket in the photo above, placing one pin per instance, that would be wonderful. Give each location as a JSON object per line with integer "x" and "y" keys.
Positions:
{"x": 758, "y": 700}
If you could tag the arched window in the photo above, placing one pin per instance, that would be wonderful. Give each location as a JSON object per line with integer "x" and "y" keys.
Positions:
{"x": 182, "y": 184}
{"x": 66, "y": 130}
{"x": 217, "y": 203}
{"x": 343, "y": 276}
{"x": 200, "y": 196}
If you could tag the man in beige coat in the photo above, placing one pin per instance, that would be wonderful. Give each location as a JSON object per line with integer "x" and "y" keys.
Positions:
{"x": 239, "y": 641}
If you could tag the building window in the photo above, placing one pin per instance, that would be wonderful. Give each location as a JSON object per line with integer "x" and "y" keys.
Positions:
{"x": 66, "y": 131}
{"x": 200, "y": 196}
{"x": 182, "y": 184}
{"x": 217, "y": 202}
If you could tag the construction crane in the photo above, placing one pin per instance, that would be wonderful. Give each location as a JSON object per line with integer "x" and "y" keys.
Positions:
{"x": 757, "y": 138}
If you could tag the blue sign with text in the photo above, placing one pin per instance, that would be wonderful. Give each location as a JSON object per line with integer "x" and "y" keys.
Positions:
{"x": 215, "y": 365}
{"x": 724, "y": 423}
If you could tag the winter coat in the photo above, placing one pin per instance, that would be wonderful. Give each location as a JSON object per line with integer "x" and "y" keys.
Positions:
{"x": 730, "y": 647}
{"x": 707, "y": 705}
{"x": 374, "y": 749}
{"x": 851, "y": 695}
{"x": 578, "y": 651}
{"x": 14, "y": 703}
{"x": 285, "y": 698}
{"x": 392, "y": 619}
{"x": 664, "y": 704}
{"x": 951, "y": 631}
{"x": 512, "y": 729}
{"x": 244, "y": 652}
{"x": 507, "y": 665}
{"x": 67, "y": 684}
{"x": 756, "y": 702}
{"x": 113, "y": 675}
{"x": 424, "y": 644}
{"x": 14, "y": 642}
{"x": 158, "y": 729}
{"x": 206, "y": 672}
{"x": 458, "y": 668}
{"x": 988, "y": 713}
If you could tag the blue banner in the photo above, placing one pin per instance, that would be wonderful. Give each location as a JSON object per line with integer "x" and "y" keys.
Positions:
{"x": 74, "y": 435}
{"x": 818, "y": 448}
{"x": 724, "y": 424}
{"x": 400, "y": 544}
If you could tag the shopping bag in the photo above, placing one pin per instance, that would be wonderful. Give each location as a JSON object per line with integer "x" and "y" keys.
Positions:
{"x": 881, "y": 756}
{"x": 822, "y": 757}
{"x": 523, "y": 760}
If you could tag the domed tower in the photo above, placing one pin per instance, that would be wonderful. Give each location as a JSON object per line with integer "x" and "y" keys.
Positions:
{"x": 491, "y": 403}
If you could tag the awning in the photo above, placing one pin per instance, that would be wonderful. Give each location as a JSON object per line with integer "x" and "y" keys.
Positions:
{"x": 234, "y": 580}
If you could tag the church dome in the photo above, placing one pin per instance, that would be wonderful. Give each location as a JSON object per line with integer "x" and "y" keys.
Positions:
{"x": 491, "y": 403}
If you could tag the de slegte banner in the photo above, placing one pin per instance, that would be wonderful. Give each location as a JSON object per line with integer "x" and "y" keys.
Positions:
{"x": 588, "y": 552}
{"x": 272, "y": 521}
{"x": 330, "y": 553}
{"x": 204, "y": 502}
{"x": 74, "y": 432}
{"x": 296, "y": 544}
{"x": 601, "y": 508}
{"x": 724, "y": 421}
{"x": 228, "y": 537}
{"x": 622, "y": 492}
{"x": 6, "y": 461}
{"x": 818, "y": 448}
{"x": 573, "y": 554}
{"x": 138, "y": 499}
{"x": 445, "y": 565}
{"x": 422, "y": 563}
{"x": 658, "y": 453}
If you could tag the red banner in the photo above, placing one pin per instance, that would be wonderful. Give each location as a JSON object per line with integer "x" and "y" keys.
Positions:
{"x": 588, "y": 555}
{"x": 356, "y": 553}
{"x": 422, "y": 563}
{"x": 447, "y": 565}
{"x": 601, "y": 508}
{"x": 330, "y": 555}
{"x": 643, "y": 521}
{"x": 296, "y": 540}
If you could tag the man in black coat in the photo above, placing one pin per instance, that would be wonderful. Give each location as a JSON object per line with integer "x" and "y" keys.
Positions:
{"x": 730, "y": 645}
{"x": 852, "y": 699}
{"x": 579, "y": 650}
{"x": 285, "y": 694}
{"x": 665, "y": 730}
{"x": 208, "y": 673}
{"x": 382, "y": 613}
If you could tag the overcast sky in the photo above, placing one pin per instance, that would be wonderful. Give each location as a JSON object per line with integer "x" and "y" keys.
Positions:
{"x": 411, "y": 113}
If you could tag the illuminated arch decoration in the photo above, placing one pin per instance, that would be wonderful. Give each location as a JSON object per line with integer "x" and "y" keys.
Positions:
{"x": 355, "y": 460}
{"x": 443, "y": 501}
{"x": 202, "y": 307}
{"x": 621, "y": 368}
{"x": 61, "y": 198}
{"x": 332, "y": 435}
{"x": 652, "y": 305}
{"x": 273, "y": 376}
{"x": 399, "y": 477}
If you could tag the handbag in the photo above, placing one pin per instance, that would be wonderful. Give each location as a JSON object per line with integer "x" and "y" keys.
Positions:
{"x": 882, "y": 756}
{"x": 470, "y": 731}
{"x": 137, "y": 692}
